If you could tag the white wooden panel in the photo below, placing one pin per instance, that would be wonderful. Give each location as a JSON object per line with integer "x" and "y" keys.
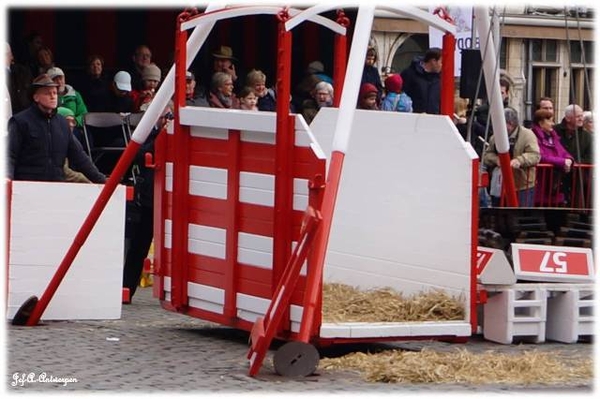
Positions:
{"x": 205, "y": 305}
{"x": 208, "y": 182}
{"x": 403, "y": 212}
{"x": 209, "y": 241}
{"x": 300, "y": 198}
{"x": 168, "y": 233}
{"x": 248, "y": 316}
{"x": 228, "y": 118}
{"x": 382, "y": 330}
{"x": 255, "y": 250}
{"x": 206, "y": 292}
{"x": 168, "y": 176}
{"x": 40, "y": 237}
{"x": 251, "y": 307}
{"x": 257, "y": 188}
{"x": 296, "y": 313}
{"x": 252, "y": 303}
{"x": 301, "y": 186}
{"x": 300, "y": 202}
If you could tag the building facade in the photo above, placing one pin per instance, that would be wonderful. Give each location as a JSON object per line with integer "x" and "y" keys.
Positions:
{"x": 546, "y": 52}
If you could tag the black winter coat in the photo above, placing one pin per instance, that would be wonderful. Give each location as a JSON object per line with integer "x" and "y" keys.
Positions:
{"x": 144, "y": 186}
{"x": 38, "y": 145}
{"x": 422, "y": 87}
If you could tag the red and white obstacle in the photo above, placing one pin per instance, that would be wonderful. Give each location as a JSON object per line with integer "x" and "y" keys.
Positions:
{"x": 249, "y": 223}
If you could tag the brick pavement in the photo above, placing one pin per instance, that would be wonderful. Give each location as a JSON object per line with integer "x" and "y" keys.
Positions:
{"x": 152, "y": 350}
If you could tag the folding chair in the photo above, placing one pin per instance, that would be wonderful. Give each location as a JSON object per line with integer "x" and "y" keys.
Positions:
{"x": 105, "y": 133}
{"x": 132, "y": 120}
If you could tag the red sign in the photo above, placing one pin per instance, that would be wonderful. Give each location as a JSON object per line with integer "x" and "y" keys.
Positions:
{"x": 552, "y": 263}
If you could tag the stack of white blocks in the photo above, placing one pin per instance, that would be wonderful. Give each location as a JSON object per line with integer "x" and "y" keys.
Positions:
{"x": 517, "y": 310}
{"x": 570, "y": 313}
{"x": 560, "y": 312}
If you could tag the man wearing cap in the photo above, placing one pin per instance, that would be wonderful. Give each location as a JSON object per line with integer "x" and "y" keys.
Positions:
{"x": 39, "y": 141}
{"x": 121, "y": 99}
{"x": 70, "y": 98}
{"x": 194, "y": 97}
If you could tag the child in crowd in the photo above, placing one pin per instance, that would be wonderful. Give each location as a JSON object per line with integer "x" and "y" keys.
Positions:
{"x": 248, "y": 99}
{"x": 367, "y": 97}
{"x": 395, "y": 99}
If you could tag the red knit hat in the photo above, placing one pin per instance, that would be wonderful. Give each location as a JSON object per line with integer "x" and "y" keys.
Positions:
{"x": 366, "y": 89}
{"x": 393, "y": 83}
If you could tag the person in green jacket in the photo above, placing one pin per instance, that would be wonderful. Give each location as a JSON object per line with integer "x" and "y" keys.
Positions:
{"x": 69, "y": 98}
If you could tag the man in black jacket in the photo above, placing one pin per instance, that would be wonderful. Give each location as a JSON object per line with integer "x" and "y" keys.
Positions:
{"x": 422, "y": 81}
{"x": 142, "y": 213}
{"x": 39, "y": 140}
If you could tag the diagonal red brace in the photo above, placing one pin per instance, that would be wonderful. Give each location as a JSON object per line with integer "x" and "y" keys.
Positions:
{"x": 264, "y": 329}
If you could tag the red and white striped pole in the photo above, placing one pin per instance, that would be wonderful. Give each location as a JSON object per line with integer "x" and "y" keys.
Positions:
{"x": 492, "y": 82}
{"x": 341, "y": 138}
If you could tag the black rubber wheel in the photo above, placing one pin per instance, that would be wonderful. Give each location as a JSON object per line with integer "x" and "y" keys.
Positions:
{"x": 22, "y": 315}
{"x": 296, "y": 359}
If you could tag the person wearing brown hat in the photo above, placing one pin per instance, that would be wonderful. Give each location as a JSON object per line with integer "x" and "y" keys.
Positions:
{"x": 39, "y": 140}
{"x": 395, "y": 99}
{"x": 223, "y": 62}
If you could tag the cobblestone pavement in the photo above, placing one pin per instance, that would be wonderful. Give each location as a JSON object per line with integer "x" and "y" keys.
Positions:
{"x": 152, "y": 350}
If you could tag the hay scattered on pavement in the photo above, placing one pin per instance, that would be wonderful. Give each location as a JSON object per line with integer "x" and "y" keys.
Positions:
{"x": 343, "y": 303}
{"x": 464, "y": 367}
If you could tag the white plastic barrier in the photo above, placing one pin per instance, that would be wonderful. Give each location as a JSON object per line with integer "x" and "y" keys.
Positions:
{"x": 515, "y": 311}
{"x": 539, "y": 311}
{"x": 44, "y": 220}
{"x": 570, "y": 313}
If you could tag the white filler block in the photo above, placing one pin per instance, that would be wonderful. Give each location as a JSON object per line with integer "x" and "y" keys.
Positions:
{"x": 45, "y": 218}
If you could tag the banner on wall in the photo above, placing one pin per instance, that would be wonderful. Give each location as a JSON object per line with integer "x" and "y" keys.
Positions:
{"x": 462, "y": 18}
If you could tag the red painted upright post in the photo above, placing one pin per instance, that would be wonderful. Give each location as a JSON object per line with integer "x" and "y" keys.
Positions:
{"x": 447, "y": 91}
{"x": 284, "y": 150}
{"x": 340, "y": 59}
{"x": 179, "y": 247}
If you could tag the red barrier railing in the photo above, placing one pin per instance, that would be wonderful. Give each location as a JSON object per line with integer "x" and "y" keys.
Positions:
{"x": 557, "y": 189}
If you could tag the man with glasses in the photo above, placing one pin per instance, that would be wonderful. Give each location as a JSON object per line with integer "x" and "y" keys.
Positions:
{"x": 141, "y": 58}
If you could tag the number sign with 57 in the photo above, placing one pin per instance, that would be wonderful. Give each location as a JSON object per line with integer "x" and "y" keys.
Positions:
{"x": 552, "y": 263}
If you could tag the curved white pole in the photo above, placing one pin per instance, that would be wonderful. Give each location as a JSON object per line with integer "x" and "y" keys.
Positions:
{"x": 492, "y": 78}
{"x": 356, "y": 61}
{"x": 421, "y": 16}
{"x": 257, "y": 10}
{"x": 309, "y": 15}
{"x": 166, "y": 90}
